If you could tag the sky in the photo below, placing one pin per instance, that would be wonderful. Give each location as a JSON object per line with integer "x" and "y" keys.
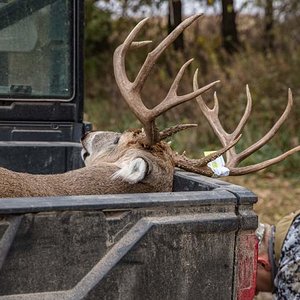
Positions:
{"x": 189, "y": 7}
{"x": 192, "y": 6}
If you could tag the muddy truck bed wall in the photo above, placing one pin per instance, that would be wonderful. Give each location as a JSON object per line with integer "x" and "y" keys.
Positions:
{"x": 197, "y": 242}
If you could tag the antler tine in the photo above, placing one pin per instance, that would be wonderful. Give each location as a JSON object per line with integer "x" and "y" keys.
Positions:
{"x": 200, "y": 100}
{"x": 172, "y": 99}
{"x": 174, "y": 129}
{"x": 155, "y": 53}
{"x": 264, "y": 164}
{"x": 136, "y": 45}
{"x": 131, "y": 36}
{"x": 246, "y": 115}
{"x": 122, "y": 80}
{"x": 271, "y": 132}
{"x": 212, "y": 115}
{"x": 231, "y": 155}
{"x": 205, "y": 160}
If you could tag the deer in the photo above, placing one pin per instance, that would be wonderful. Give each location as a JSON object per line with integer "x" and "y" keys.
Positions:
{"x": 137, "y": 160}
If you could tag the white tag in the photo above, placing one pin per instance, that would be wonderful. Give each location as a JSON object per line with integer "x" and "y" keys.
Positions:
{"x": 217, "y": 165}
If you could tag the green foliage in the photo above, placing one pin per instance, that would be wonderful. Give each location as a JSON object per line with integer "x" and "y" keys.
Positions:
{"x": 97, "y": 33}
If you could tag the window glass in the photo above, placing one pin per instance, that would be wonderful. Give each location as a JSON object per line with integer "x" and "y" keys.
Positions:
{"x": 36, "y": 49}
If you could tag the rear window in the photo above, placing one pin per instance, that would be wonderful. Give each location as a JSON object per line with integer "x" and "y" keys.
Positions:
{"x": 36, "y": 50}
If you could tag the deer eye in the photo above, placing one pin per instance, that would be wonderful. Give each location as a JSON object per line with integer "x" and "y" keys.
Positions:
{"x": 116, "y": 140}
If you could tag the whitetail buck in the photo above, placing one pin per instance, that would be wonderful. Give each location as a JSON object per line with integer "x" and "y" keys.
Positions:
{"x": 134, "y": 161}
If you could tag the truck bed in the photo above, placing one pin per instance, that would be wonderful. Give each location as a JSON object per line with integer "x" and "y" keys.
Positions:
{"x": 197, "y": 242}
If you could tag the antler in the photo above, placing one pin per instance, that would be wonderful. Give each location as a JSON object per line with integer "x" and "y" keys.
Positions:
{"x": 233, "y": 158}
{"x": 131, "y": 91}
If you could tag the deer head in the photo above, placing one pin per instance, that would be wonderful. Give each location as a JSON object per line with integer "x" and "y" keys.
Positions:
{"x": 138, "y": 153}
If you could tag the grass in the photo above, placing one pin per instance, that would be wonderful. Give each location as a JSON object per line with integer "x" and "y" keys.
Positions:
{"x": 277, "y": 196}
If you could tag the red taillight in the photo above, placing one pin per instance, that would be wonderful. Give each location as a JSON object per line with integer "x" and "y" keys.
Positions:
{"x": 247, "y": 248}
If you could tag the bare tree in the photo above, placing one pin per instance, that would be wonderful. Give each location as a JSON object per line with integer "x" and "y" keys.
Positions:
{"x": 269, "y": 24}
{"x": 230, "y": 39}
{"x": 229, "y": 27}
{"x": 174, "y": 19}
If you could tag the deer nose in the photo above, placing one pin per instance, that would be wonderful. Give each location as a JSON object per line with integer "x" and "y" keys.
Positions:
{"x": 84, "y": 136}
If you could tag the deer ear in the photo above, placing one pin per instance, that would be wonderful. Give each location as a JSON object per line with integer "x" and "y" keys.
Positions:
{"x": 132, "y": 171}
